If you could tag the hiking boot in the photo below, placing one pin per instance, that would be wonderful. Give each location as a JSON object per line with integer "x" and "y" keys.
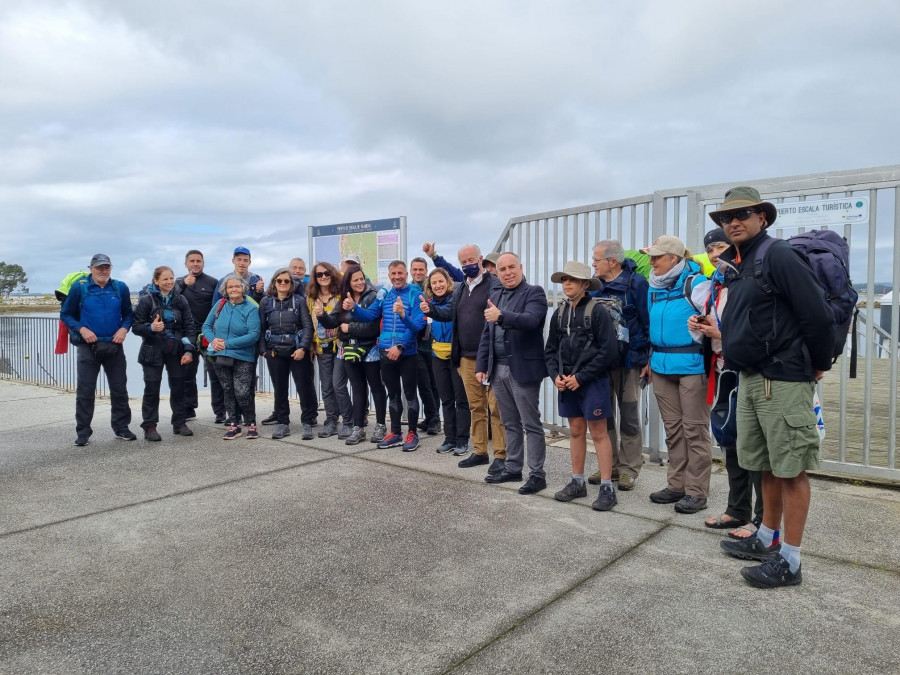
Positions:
{"x": 330, "y": 429}
{"x": 392, "y": 440}
{"x": 772, "y": 574}
{"x": 150, "y": 434}
{"x": 461, "y": 449}
{"x": 232, "y": 432}
{"x": 252, "y": 431}
{"x": 307, "y": 432}
{"x": 378, "y": 433}
{"x": 446, "y": 446}
{"x": 626, "y": 482}
{"x": 433, "y": 428}
{"x": 221, "y": 418}
{"x": 125, "y": 435}
{"x": 573, "y": 490}
{"x": 411, "y": 442}
{"x": 606, "y": 499}
{"x": 82, "y": 441}
{"x": 751, "y": 548}
{"x": 357, "y": 434}
{"x": 271, "y": 419}
{"x": 281, "y": 431}
{"x": 183, "y": 430}
{"x": 666, "y": 496}
{"x": 595, "y": 478}
{"x": 474, "y": 460}
{"x": 690, "y": 504}
{"x": 345, "y": 432}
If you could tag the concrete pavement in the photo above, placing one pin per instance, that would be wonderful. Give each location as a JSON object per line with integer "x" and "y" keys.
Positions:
{"x": 201, "y": 555}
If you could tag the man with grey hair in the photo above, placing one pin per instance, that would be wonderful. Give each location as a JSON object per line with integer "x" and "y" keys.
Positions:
{"x": 619, "y": 279}
{"x": 466, "y": 310}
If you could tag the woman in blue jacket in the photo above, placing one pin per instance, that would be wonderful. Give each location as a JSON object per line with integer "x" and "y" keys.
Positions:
{"x": 457, "y": 417}
{"x": 233, "y": 334}
{"x": 678, "y": 292}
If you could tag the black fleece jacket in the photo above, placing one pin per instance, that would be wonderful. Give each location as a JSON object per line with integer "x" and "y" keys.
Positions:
{"x": 786, "y": 335}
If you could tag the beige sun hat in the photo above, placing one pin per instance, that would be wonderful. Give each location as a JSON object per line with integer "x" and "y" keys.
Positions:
{"x": 576, "y": 270}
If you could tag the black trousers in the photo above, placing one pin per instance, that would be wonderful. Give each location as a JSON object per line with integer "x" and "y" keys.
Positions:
{"x": 304, "y": 379}
{"x": 110, "y": 357}
{"x": 457, "y": 417}
{"x": 359, "y": 375}
{"x": 428, "y": 390}
{"x": 393, "y": 373}
{"x": 152, "y": 382}
{"x": 741, "y": 485}
{"x": 191, "y": 400}
{"x": 281, "y": 369}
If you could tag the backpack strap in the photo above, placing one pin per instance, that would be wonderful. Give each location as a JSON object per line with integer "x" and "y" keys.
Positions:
{"x": 688, "y": 288}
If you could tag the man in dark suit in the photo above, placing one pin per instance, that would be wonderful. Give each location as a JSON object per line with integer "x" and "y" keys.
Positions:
{"x": 511, "y": 359}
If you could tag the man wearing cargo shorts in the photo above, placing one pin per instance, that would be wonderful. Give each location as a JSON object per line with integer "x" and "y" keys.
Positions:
{"x": 772, "y": 333}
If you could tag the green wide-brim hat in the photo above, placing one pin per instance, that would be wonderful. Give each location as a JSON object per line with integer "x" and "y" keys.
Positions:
{"x": 743, "y": 198}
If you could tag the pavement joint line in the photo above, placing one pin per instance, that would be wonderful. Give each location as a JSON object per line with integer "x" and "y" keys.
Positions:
{"x": 556, "y": 598}
{"x": 638, "y": 516}
{"x": 180, "y": 493}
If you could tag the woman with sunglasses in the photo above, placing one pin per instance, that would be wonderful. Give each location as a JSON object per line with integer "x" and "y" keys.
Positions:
{"x": 284, "y": 341}
{"x": 455, "y": 404}
{"x": 323, "y": 294}
{"x": 678, "y": 292}
{"x": 360, "y": 357}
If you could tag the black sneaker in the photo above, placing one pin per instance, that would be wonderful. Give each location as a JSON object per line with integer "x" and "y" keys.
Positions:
{"x": 772, "y": 574}
{"x": 220, "y": 418}
{"x": 690, "y": 504}
{"x": 497, "y": 466}
{"x": 433, "y": 428}
{"x": 446, "y": 446}
{"x": 606, "y": 499}
{"x": 666, "y": 496}
{"x": 82, "y": 441}
{"x": 533, "y": 485}
{"x": 307, "y": 432}
{"x": 125, "y": 435}
{"x": 271, "y": 419}
{"x": 750, "y": 548}
{"x": 573, "y": 490}
{"x": 474, "y": 460}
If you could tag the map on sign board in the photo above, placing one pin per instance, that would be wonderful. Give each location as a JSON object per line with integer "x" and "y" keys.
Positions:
{"x": 823, "y": 212}
{"x": 376, "y": 242}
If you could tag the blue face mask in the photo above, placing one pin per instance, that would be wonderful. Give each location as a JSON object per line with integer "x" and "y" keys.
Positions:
{"x": 471, "y": 271}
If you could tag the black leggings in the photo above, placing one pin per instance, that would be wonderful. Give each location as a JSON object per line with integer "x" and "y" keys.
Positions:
{"x": 392, "y": 372}
{"x": 359, "y": 373}
{"x": 457, "y": 417}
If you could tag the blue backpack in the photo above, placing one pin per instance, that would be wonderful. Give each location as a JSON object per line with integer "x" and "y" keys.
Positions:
{"x": 829, "y": 256}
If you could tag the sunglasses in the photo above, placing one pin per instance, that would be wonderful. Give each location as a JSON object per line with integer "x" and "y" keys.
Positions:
{"x": 742, "y": 215}
{"x": 282, "y": 281}
{"x": 322, "y": 275}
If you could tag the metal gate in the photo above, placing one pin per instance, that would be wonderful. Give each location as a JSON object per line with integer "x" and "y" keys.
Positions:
{"x": 860, "y": 414}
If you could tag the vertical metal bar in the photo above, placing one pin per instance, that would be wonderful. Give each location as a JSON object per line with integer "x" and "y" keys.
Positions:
{"x": 608, "y": 225}
{"x": 895, "y": 330}
{"x": 676, "y": 208}
{"x": 695, "y": 226}
{"x": 870, "y": 328}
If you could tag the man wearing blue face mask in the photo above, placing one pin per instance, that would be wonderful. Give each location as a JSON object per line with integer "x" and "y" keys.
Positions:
{"x": 466, "y": 311}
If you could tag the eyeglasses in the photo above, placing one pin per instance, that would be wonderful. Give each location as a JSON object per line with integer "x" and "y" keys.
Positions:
{"x": 742, "y": 215}
{"x": 322, "y": 275}
{"x": 596, "y": 260}
{"x": 282, "y": 281}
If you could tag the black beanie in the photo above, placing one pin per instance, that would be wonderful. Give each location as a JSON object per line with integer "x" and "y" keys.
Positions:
{"x": 714, "y": 236}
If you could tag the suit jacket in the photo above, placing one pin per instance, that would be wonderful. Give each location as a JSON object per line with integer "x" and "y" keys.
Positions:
{"x": 523, "y": 321}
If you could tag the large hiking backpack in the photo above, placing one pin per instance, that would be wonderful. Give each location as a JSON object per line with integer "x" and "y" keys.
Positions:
{"x": 829, "y": 256}
{"x": 613, "y": 306}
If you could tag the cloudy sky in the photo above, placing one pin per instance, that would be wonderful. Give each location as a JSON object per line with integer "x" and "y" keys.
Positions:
{"x": 142, "y": 129}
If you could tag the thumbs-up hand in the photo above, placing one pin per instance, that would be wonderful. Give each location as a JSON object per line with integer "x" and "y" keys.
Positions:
{"x": 348, "y": 303}
{"x": 398, "y": 308}
{"x": 318, "y": 307}
{"x": 423, "y": 305}
{"x": 428, "y": 248}
{"x": 260, "y": 285}
{"x": 157, "y": 326}
{"x": 492, "y": 313}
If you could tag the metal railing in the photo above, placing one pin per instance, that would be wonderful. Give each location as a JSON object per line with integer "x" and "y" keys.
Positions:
{"x": 545, "y": 241}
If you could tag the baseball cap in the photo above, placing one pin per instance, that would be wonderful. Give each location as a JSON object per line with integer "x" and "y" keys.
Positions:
{"x": 241, "y": 249}
{"x": 352, "y": 258}
{"x": 100, "y": 259}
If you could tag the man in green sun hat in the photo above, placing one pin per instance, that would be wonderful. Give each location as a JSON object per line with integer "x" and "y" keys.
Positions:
{"x": 772, "y": 329}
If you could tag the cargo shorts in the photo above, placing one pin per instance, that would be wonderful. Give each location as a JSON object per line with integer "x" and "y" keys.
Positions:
{"x": 777, "y": 434}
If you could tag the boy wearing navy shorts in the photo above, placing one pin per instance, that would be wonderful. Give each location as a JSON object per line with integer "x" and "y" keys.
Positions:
{"x": 579, "y": 353}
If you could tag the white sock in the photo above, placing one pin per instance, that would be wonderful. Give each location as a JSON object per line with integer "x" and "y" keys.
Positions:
{"x": 578, "y": 478}
{"x": 792, "y": 555}
{"x": 766, "y": 535}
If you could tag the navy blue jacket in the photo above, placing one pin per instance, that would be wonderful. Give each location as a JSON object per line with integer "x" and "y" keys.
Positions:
{"x": 523, "y": 321}
{"x": 630, "y": 287}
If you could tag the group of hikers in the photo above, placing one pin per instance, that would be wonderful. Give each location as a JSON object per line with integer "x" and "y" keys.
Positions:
{"x": 740, "y": 347}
